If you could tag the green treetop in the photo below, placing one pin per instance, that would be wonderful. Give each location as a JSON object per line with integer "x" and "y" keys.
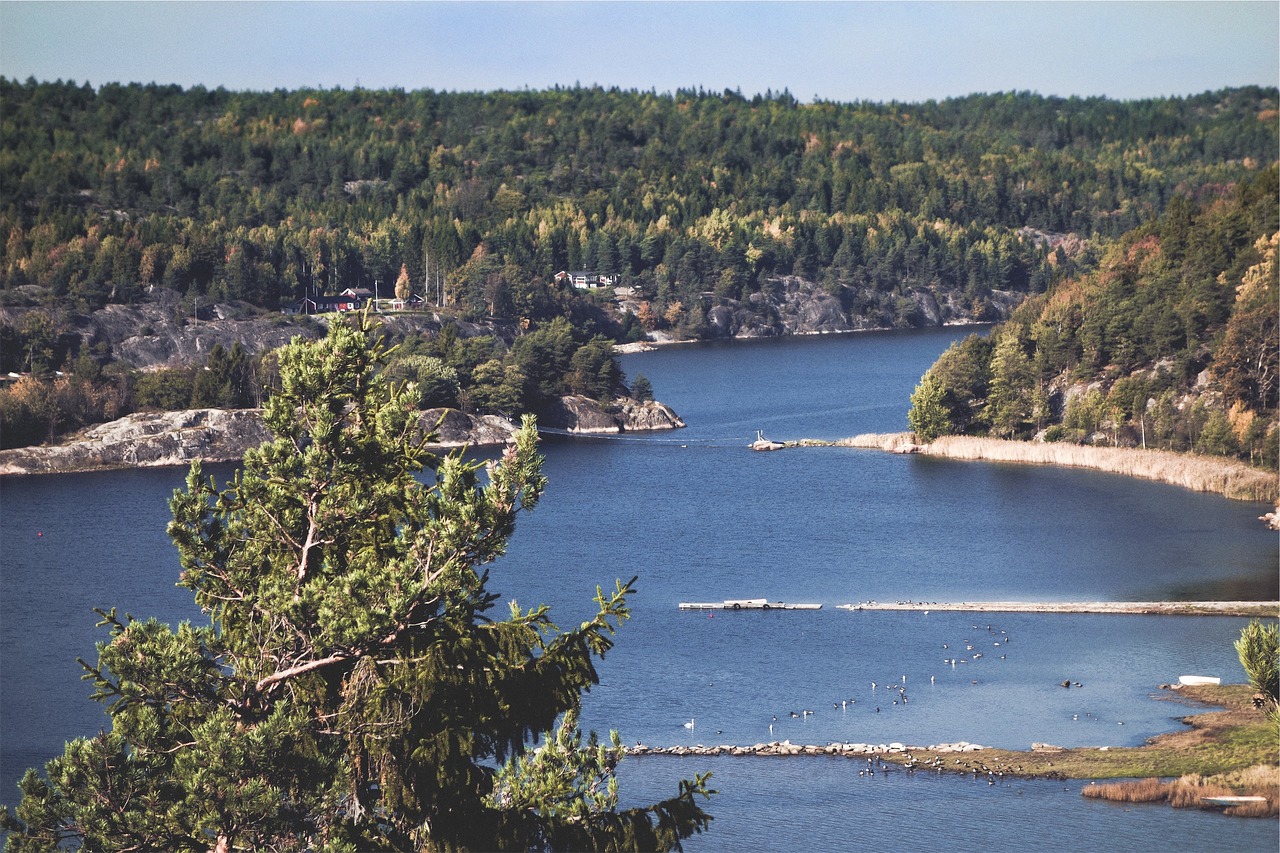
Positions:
{"x": 352, "y": 690}
{"x": 928, "y": 416}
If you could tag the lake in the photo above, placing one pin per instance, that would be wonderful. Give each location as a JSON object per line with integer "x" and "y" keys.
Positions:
{"x": 699, "y": 517}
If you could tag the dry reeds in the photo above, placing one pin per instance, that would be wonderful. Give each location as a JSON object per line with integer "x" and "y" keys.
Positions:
{"x": 1228, "y": 477}
{"x": 894, "y": 442}
{"x": 1143, "y": 791}
{"x": 1190, "y": 791}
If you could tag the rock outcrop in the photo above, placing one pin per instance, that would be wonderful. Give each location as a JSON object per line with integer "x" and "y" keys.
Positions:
{"x": 157, "y": 439}
{"x": 583, "y": 415}
{"x": 791, "y": 305}
{"x": 162, "y": 332}
{"x": 144, "y": 440}
{"x": 455, "y": 428}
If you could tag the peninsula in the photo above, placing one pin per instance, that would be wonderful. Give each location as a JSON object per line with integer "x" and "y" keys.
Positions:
{"x": 1230, "y": 478}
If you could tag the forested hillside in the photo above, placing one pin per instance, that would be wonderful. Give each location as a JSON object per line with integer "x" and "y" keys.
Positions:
{"x": 475, "y": 201}
{"x": 260, "y": 196}
{"x": 1172, "y": 342}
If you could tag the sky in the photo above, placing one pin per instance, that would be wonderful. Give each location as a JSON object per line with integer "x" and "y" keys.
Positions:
{"x": 835, "y": 51}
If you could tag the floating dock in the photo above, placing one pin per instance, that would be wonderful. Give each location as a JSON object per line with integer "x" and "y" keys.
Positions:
{"x": 746, "y": 604}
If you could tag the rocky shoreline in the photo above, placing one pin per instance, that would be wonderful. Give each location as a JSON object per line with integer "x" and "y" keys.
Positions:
{"x": 168, "y": 439}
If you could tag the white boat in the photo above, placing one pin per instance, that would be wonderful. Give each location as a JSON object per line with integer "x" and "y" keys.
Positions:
{"x": 1198, "y": 679}
{"x": 1232, "y": 801}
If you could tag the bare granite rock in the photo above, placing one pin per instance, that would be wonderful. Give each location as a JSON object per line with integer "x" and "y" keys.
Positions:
{"x": 640, "y": 416}
{"x": 583, "y": 415}
{"x": 455, "y": 428}
{"x": 156, "y": 439}
{"x": 791, "y": 305}
{"x": 144, "y": 440}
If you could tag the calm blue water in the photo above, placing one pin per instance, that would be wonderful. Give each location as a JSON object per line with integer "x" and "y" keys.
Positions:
{"x": 699, "y": 517}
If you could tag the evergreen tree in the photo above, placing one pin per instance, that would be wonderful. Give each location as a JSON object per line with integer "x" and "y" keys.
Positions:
{"x": 928, "y": 416}
{"x": 351, "y": 689}
{"x": 1259, "y": 651}
{"x": 1009, "y": 406}
{"x": 641, "y": 388}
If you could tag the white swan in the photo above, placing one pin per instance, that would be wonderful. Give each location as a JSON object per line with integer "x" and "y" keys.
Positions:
{"x": 689, "y": 724}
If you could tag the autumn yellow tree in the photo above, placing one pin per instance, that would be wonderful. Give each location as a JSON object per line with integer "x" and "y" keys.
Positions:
{"x": 403, "y": 291}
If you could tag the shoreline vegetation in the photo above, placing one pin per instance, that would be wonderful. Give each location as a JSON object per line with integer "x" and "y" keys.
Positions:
{"x": 1227, "y": 751}
{"x": 1230, "y": 478}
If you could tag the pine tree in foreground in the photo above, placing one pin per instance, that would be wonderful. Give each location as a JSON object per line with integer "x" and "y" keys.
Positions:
{"x": 351, "y": 690}
{"x": 1258, "y": 648}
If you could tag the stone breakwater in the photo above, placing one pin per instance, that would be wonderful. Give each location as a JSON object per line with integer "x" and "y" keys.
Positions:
{"x": 787, "y": 748}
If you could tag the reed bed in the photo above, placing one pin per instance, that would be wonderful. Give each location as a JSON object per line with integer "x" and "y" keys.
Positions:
{"x": 1143, "y": 791}
{"x": 1228, "y": 477}
{"x": 894, "y": 442}
{"x": 1189, "y": 791}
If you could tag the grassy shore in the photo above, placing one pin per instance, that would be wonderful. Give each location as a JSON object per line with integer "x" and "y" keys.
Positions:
{"x": 1228, "y": 477}
{"x": 1232, "y": 738}
{"x": 1231, "y": 751}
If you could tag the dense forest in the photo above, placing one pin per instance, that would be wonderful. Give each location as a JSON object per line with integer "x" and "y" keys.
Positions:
{"x": 475, "y": 201}
{"x": 1172, "y": 342}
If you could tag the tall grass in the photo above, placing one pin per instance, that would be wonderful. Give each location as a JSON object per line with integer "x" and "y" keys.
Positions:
{"x": 894, "y": 442}
{"x": 1190, "y": 791}
{"x": 1228, "y": 477}
{"x": 1143, "y": 791}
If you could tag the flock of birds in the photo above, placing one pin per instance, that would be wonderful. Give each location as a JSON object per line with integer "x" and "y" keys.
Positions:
{"x": 973, "y": 656}
{"x": 893, "y": 691}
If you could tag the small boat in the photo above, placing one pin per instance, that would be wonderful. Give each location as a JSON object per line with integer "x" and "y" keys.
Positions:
{"x": 1232, "y": 801}
{"x": 1198, "y": 679}
{"x": 762, "y": 443}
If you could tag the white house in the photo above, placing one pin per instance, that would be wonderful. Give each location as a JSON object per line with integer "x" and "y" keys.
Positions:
{"x": 587, "y": 279}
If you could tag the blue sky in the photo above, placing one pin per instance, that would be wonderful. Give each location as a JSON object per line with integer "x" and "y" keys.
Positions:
{"x": 841, "y": 51}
